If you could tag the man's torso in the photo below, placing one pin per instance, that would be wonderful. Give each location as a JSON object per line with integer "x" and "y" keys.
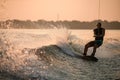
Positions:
{"x": 99, "y": 31}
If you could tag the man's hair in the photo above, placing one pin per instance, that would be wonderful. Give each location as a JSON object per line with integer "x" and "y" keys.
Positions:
{"x": 98, "y": 24}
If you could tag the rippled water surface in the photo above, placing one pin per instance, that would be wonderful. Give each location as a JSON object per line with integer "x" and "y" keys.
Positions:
{"x": 44, "y": 55}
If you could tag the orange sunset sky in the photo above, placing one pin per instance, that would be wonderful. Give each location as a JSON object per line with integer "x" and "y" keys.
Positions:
{"x": 82, "y": 10}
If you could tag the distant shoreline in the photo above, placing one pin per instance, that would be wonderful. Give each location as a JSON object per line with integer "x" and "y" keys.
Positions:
{"x": 42, "y": 24}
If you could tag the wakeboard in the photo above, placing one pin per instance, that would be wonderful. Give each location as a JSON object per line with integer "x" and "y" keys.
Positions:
{"x": 89, "y": 58}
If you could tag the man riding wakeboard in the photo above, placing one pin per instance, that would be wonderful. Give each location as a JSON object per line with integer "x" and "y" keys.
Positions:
{"x": 99, "y": 33}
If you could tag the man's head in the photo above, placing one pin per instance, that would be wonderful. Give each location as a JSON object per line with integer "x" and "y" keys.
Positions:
{"x": 99, "y": 25}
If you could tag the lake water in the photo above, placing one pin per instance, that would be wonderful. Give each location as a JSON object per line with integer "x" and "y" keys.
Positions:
{"x": 20, "y": 62}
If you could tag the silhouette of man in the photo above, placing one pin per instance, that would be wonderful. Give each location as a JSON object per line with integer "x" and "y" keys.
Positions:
{"x": 99, "y": 33}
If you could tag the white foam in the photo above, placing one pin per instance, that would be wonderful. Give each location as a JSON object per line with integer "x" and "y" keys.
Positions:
{"x": 34, "y": 38}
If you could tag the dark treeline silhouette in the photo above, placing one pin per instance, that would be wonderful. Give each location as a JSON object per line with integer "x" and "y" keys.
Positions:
{"x": 43, "y": 24}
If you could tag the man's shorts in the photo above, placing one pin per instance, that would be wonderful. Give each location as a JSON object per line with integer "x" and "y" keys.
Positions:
{"x": 98, "y": 42}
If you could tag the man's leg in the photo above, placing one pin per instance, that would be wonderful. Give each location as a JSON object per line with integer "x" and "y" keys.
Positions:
{"x": 85, "y": 50}
{"x": 94, "y": 50}
{"x": 90, "y": 44}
